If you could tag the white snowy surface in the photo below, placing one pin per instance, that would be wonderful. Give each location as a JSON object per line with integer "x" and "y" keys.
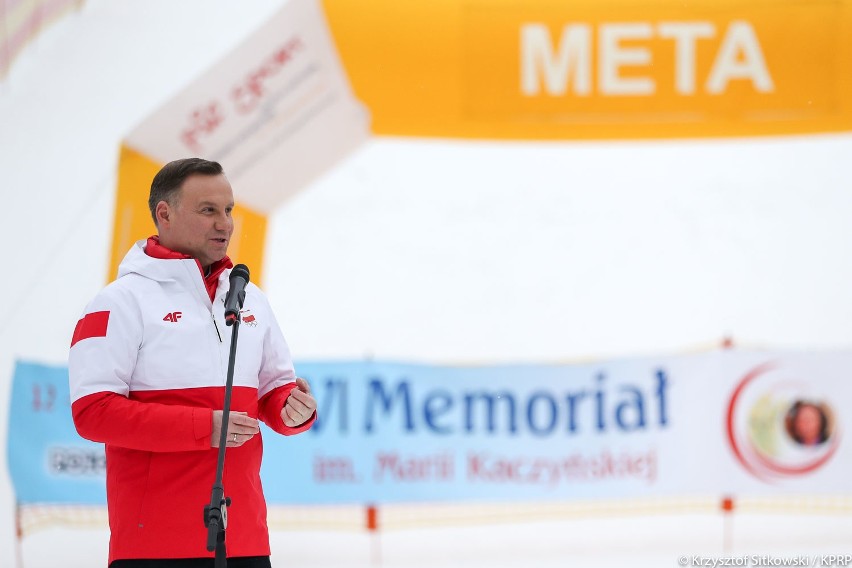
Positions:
{"x": 657, "y": 541}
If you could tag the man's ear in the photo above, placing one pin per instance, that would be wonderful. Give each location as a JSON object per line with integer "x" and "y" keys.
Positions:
{"x": 162, "y": 213}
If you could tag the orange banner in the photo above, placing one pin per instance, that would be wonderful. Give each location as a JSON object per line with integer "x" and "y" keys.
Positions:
{"x": 540, "y": 69}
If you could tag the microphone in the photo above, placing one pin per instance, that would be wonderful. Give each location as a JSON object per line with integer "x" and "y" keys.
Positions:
{"x": 236, "y": 294}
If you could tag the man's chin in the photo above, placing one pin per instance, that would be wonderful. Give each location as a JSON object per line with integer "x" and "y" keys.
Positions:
{"x": 218, "y": 252}
{"x": 213, "y": 256}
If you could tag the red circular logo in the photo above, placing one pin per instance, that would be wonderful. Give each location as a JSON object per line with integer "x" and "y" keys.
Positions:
{"x": 779, "y": 423}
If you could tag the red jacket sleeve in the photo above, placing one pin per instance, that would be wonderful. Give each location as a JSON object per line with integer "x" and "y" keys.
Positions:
{"x": 114, "y": 419}
{"x": 269, "y": 410}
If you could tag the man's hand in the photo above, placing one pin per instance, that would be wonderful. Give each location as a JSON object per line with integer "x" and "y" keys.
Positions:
{"x": 300, "y": 405}
{"x": 241, "y": 429}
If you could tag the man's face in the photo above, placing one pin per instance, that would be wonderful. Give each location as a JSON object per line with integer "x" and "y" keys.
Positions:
{"x": 809, "y": 424}
{"x": 199, "y": 222}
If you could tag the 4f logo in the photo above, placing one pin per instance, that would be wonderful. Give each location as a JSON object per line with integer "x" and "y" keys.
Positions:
{"x": 173, "y": 317}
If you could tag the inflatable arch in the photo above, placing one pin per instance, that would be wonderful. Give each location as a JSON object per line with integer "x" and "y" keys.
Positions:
{"x": 320, "y": 77}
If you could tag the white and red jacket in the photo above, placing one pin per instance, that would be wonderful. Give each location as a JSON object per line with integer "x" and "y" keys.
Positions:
{"x": 147, "y": 367}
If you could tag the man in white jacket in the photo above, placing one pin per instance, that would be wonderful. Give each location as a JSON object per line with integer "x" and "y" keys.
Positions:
{"x": 148, "y": 365}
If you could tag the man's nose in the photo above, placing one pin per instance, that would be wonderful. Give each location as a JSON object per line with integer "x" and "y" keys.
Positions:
{"x": 224, "y": 222}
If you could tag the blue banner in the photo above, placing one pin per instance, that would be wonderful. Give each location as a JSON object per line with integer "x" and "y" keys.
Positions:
{"x": 396, "y": 432}
{"x": 48, "y": 461}
{"x": 715, "y": 423}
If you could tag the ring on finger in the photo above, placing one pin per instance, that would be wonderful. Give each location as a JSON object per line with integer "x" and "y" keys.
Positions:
{"x": 235, "y": 437}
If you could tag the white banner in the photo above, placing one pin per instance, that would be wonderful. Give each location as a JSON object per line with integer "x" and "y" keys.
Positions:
{"x": 276, "y": 112}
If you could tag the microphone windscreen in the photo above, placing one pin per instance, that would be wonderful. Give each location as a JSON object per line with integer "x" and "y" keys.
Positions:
{"x": 240, "y": 271}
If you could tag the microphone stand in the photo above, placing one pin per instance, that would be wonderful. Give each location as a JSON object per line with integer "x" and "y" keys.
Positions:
{"x": 216, "y": 513}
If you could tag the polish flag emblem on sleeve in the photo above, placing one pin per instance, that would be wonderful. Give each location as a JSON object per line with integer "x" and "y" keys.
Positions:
{"x": 91, "y": 325}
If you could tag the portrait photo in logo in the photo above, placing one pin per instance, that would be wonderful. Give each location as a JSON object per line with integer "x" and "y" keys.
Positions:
{"x": 809, "y": 423}
{"x": 780, "y": 423}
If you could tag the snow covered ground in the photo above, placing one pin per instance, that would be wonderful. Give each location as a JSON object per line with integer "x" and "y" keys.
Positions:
{"x": 657, "y": 541}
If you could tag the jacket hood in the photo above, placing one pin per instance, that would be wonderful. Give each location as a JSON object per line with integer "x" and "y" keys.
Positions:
{"x": 137, "y": 262}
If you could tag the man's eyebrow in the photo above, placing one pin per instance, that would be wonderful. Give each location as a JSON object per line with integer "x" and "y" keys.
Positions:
{"x": 212, "y": 204}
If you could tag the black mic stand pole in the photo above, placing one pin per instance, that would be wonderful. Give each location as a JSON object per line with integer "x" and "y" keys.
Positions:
{"x": 216, "y": 513}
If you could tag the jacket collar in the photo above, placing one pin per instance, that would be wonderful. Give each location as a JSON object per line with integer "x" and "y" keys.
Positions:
{"x": 153, "y": 249}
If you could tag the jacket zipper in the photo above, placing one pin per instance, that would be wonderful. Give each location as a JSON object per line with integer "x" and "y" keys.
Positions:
{"x": 216, "y": 325}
